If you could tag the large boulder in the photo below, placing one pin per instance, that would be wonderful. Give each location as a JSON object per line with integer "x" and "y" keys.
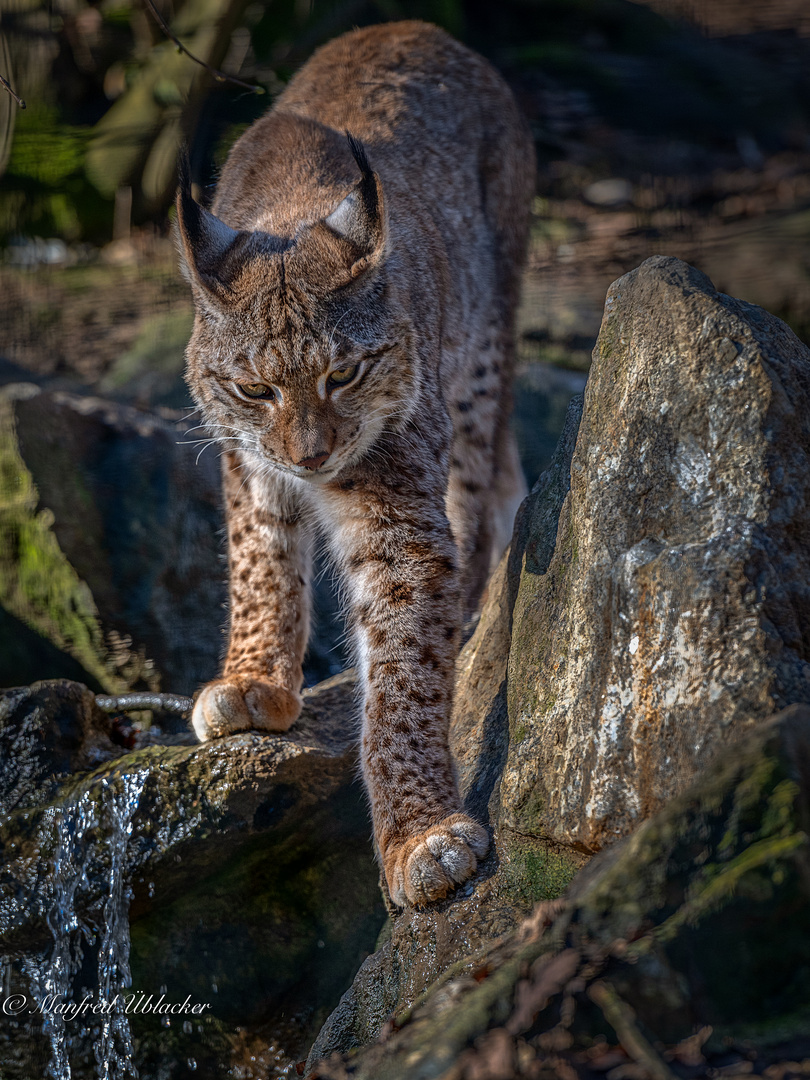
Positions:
{"x": 675, "y": 612}
{"x": 110, "y": 547}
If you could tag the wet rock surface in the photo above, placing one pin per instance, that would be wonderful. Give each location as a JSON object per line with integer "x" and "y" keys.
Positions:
{"x": 245, "y": 864}
{"x": 47, "y": 732}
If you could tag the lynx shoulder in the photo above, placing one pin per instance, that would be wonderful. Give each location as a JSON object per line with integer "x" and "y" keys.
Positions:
{"x": 352, "y": 351}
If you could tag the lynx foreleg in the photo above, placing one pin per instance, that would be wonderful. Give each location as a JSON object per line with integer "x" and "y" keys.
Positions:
{"x": 269, "y": 566}
{"x": 401, "y": 569}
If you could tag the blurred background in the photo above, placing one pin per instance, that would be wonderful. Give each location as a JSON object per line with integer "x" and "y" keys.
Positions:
{"x": 676, "y": 127}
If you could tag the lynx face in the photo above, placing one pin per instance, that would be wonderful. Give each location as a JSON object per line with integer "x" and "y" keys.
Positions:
{"x": 298, "y": 355}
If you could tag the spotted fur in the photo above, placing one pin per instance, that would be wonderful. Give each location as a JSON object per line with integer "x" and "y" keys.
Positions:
{"x": 366, "y": 288}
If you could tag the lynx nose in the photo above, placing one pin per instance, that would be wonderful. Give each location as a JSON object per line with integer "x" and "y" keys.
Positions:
{"x": 313, "y": 462}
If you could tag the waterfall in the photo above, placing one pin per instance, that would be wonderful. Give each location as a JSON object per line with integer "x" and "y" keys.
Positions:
{"x": 101, "y": 813}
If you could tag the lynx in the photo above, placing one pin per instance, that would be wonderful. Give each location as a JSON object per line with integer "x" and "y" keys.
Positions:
{"x": 355, "y": 288}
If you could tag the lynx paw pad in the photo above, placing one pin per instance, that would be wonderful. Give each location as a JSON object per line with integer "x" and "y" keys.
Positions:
{"x": 242, "y": 704}
{"x": 428, "y": 866}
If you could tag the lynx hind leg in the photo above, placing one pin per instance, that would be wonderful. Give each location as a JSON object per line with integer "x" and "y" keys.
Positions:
{"x": 428, "y": 866}
{"x": 269, "y": 569}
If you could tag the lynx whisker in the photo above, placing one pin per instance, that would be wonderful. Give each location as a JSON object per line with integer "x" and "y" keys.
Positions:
{"x": 334, "y": 328}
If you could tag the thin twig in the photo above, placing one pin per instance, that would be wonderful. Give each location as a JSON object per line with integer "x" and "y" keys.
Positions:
{"x": 220, "y": 76}
{"x": 133, "y": 702}
{"x": 17, "y": 98}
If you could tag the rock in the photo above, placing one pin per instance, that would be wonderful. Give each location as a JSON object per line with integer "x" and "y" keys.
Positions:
{"x": 422, "y": 945}
{"x": 609, "y": 193}
{"x": 252, "y": 881}
{"x": 479, "y": 726}
{"x": 698, "y": 923}
{"x": 642, "y": 620}
{"x": 675, "y": 612}
{"x": 110, "y": 543}
{"x": 47, "y": 732}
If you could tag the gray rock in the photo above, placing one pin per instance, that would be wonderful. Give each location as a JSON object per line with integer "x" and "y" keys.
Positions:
{"x": 675, "y": 612}
{"x": 641, "y": 621}
{"x": 609, "y": 193}
{"x": 47, "y": 732}
{"x": 111, "y": 547}
{"x": 479, "y": 730}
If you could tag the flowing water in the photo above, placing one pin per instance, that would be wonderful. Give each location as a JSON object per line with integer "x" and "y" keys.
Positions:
{"x": 104, "y": 809}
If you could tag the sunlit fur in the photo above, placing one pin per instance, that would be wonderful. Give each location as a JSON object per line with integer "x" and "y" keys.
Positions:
{"x": 399, "y": 254}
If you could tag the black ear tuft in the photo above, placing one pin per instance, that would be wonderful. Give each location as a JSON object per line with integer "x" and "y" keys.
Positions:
{"x": 184, "y": 168}
{"x": 360, "y": 218}
{"x": 189, "y": 213}
{"x": 203, "y": 239}
{"x": 359, "y": 155}
{"x": 368, "y": 192}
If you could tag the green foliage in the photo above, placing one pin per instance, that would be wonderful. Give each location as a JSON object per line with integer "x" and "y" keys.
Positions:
{"x": 44, "y": 191}
{"x": 44, "y": 150}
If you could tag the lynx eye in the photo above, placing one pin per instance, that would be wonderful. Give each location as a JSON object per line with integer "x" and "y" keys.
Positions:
{"x": 342, "y": 376}
{"x": 257, "y": 391}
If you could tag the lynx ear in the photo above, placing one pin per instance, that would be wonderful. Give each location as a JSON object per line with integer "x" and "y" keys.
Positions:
{"x": 204, "y": 241}
{"x": 359, "y": 218}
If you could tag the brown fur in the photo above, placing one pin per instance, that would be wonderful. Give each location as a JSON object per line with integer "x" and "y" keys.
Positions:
{"x": 315, "y": 264}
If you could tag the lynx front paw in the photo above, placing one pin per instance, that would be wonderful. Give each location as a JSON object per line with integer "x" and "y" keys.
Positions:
{"x": 242, "y": 703}
{"x": 428, "y": 866}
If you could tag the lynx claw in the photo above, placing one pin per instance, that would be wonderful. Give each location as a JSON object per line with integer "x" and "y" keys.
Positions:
{"x": 243, "y": 704}
{"x": 428, "y": 866}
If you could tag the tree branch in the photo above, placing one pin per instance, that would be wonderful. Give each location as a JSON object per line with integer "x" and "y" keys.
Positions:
{"x": 621, "y": 1018}
{"x": 220, "y": 76}
{"x": 134, "y": 702}
{"x": 17, "y": 98}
